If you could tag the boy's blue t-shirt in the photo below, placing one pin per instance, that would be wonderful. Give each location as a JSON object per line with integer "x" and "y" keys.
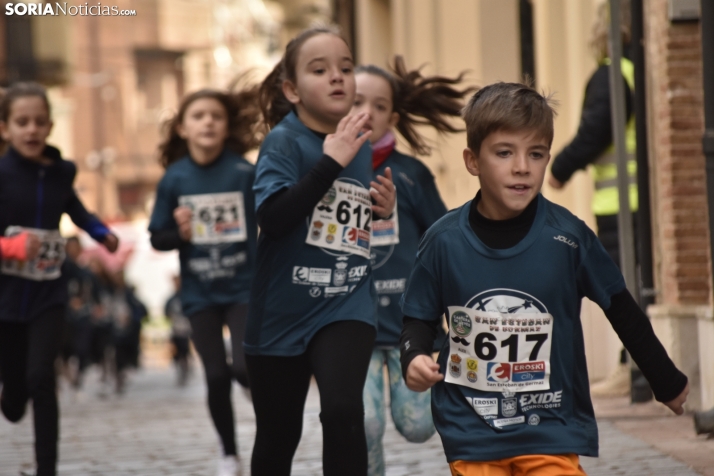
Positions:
{"x": 216, "y": 269}
{"x": 418, "y": 207}
{"x": 300, "y": 288}
{"x": 515, "y": 342}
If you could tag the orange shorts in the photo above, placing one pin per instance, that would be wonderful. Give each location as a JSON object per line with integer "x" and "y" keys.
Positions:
{"x": 528, "y": 465}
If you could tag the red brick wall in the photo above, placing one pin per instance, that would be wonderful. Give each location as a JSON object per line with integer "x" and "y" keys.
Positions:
{"x": 676, "y": 126}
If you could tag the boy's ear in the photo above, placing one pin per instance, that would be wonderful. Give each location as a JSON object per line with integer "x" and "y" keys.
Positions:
{"x": 471, "y": 162}
{"x": 290, "y": 92}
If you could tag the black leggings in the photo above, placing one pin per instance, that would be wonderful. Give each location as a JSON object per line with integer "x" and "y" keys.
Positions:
{"x": 338, "y": 357}
{"x": 27, "y": 356}
{"x": 207, "y": 336}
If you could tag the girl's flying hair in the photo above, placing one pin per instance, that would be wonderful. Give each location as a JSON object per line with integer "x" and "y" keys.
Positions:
{"x": 273, "y": 103}
{"x": 419, "y": 100}
{"x": 243, "y": 122}
{"x": 14, "y": 92}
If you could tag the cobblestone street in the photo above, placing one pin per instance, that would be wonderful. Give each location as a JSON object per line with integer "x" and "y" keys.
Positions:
{"x": 156, "y": 428}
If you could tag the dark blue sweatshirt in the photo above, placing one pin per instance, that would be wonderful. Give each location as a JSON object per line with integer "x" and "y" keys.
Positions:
{"x": 33, "y": 195}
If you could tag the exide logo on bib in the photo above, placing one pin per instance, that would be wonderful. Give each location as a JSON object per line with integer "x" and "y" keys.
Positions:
{"x": 528, "y": 371}
{"x": 498, "y": 372}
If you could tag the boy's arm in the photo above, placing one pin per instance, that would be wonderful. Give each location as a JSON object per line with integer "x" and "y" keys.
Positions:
{"x": 636, "y": 333}
{"x": 418, "y": 368}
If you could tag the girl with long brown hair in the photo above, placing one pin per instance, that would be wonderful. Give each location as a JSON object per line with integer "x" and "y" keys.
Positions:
{"x": 312, "y": 307}
{"x": 205, "y": 209}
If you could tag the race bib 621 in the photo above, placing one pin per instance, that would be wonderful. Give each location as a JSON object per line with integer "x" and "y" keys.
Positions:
{"x": 217, "y": 217}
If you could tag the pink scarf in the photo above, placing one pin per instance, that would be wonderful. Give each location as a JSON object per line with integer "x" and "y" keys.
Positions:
{"x": 382, "y": 148}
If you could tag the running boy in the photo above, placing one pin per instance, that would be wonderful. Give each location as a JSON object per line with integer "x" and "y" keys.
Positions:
{"x": 509, "y": 269}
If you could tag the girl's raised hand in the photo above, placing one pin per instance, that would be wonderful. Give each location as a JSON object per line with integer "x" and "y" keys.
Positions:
{"x": 343, "y": 145}
{"x": 384, "y": 194}
{"x": 183, "y": 215}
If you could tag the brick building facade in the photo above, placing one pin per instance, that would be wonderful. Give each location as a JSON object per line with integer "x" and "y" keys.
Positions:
{"x": 676, "y": 127}
{"x": 682, "y": 314}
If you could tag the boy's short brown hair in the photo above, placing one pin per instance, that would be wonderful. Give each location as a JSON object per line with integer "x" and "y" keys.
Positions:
{"x": 510, "y": 107}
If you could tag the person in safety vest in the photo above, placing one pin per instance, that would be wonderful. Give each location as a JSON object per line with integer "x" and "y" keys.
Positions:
{"x": 593, "y": 146}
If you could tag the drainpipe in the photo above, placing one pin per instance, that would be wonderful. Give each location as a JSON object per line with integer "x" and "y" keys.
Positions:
{"x": 644, "y": 231}
{"x": 617, "y": 105}
{"x": 640, "y": 390}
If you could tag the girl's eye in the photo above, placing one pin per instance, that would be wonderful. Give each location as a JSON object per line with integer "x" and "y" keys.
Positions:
{"x": 319, "y": 71}
{"x": 358, "y": 103}
{"x": 381, "y": 108}
{"x": 347, "y": 70}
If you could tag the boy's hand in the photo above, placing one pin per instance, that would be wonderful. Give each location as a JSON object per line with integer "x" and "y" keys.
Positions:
{"x": 183, "y": 215}
{"x": 676, "y": 405}
{"x": 384, "y": 194}
{"x": 423, "y": 373}
{"x": 111, "y": 242}
{"x": 343, "y": 145}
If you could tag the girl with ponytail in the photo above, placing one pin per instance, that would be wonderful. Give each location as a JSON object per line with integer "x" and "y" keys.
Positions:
{"x": 400, "y": 100}
{"x": 312, "y": 309}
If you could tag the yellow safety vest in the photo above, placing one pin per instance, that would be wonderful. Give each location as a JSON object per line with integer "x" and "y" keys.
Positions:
{"x": 606, "y": 198}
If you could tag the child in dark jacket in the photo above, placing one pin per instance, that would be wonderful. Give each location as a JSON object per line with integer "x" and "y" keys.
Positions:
{"x": 36, "y": 188}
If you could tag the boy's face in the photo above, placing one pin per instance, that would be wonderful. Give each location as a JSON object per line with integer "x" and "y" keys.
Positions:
{"x": 511, "y": 167}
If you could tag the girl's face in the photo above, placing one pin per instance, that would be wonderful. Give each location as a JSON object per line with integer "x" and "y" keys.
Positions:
{"x": 374, "y": 96}
{"x": 27, "y": 127}
{"x": 205, "y": 125}
{"x": 324, "y": 90}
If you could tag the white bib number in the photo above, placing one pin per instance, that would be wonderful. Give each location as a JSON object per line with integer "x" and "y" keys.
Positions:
{"x": 47, "y": 265}
{"x": 217, "y": 217}
{"x": 386, "y": 232}
{"x": 342, "y": 220}
{"x": 493, "y": 352}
